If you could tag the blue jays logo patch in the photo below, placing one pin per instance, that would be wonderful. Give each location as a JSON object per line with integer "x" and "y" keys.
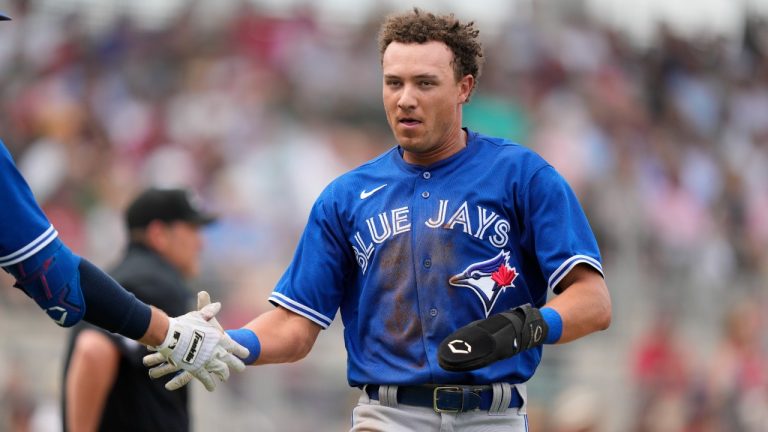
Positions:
{"x": 487, "y": 279}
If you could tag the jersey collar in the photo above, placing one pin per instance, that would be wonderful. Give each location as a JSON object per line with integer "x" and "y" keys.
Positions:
{"x": 453, "y": 160}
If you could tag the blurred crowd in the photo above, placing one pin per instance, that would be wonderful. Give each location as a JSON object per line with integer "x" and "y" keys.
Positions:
{"x": 666, "y": 145}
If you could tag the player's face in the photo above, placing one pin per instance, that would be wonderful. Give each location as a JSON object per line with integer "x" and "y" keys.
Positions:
{"x": 423, "y": 99}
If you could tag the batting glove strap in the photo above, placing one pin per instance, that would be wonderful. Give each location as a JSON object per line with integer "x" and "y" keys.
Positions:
{"x": 497, "y": 337}
{"x": 185, "y": 344}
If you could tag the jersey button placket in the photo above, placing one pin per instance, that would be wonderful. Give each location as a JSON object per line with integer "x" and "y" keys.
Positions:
{"x": 426, "y": 175}
{"x": 426, "y": 263}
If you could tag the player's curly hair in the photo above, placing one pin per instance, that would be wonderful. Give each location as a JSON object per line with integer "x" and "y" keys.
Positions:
{"x": 419, "y": 26}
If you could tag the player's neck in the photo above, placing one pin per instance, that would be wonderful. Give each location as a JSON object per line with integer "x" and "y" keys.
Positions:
{"x": 453, "y": 144}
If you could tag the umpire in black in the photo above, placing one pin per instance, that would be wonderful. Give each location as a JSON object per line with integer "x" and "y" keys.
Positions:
{"x": 106, "y": 386}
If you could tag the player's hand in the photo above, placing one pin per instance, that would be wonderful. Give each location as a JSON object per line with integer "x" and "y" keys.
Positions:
{"x": 184, "y": 377}
{"x": 196, "y": 345}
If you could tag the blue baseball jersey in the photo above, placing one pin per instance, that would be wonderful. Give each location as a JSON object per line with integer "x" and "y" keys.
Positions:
{"x": 409, "y": 254}
{"x": 24, "y": 229}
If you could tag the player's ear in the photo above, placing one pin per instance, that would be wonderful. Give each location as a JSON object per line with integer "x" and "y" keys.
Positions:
{"x": 466, "y": 83}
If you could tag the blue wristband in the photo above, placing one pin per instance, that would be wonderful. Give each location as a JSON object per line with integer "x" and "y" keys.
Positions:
{"x": 248, "y": 339}
{"x": 554, "y": 322}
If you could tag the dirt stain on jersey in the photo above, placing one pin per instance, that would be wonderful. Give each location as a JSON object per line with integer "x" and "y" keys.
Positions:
{"x": 445, "y": 265}
{"x": 402, "y": 322}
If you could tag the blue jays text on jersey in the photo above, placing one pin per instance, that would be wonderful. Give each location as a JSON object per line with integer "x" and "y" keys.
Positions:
{"x": 409, "y": 253}
{"x": 397, "y": 221}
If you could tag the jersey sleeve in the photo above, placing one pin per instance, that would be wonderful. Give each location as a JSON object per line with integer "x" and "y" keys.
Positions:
{"x": 313, "y": 284}
{"x": 559, "y": 229}
{"x": 24, "y": 229}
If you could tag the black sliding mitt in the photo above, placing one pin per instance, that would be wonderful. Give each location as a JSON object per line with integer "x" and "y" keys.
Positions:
{"x": 497, "y": 337}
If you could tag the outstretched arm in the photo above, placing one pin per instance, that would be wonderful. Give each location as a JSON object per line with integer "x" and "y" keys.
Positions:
{"x": 68, "y": 288}
{"x": 157, "y": 328}
{"x": 277, "y": 336}
{"x": 284, "y": 336}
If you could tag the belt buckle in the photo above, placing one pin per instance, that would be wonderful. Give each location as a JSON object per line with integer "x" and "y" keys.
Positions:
{"x": 448, "y": 410}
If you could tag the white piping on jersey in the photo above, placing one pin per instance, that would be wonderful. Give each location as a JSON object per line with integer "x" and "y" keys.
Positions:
{"x": 30, "y": 249}
{"x": 570, "y": 263}
{"x": 365, "y": 194}
{"x": 300, "y": 309}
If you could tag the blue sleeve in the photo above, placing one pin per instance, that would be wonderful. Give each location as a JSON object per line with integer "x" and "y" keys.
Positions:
{"x": 557, "y": 227}
{"x": 312, "y": 286}
{"x": 24, "y": 229}
{"x": 65, "y": 286}
{"x": 110, "y": 306}
{"x": 69, "y": 288}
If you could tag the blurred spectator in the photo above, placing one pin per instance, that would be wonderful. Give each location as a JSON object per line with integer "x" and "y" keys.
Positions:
{"x": 17, "y": 402}
{"x": 577, "y": 409}
{"x": 737, "y": 376}
{"x": 662, "y": 378}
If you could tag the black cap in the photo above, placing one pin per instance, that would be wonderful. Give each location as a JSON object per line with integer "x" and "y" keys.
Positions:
{"x": 4, "y": 17}
{"x": 167, "y": 205}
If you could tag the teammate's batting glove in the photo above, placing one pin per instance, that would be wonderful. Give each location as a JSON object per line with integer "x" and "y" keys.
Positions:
{"x": 497, "y": 337}
{"x": 184, "y": 377}
{"x": 196, "y": 344}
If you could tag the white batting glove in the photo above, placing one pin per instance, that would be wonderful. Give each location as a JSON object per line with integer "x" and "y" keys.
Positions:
{"x": 183, "y": 378}
{"x": 203, "y": 300}
{"x": 197, "y": 345}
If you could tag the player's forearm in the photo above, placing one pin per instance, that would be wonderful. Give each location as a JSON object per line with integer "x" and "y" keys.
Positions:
{"x": 584, "y": 306}
{"x": 157, "y": 330}
{"x": 284, "y": 336}
{"x": 110, "y": 306}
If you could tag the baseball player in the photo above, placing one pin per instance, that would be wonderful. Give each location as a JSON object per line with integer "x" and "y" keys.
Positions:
{"x": 439, "y": 254}
{"x": 69, "y": 289}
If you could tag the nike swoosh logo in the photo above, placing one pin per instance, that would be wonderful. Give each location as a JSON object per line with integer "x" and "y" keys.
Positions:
{"x": 365, "y": 194}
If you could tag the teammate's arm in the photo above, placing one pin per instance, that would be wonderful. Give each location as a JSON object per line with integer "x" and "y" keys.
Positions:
{"x": 69, "y": 288}
{"x": 157, "y": 328}
{"x": 584, "y": 303}
{"x": 92, "y": 371}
